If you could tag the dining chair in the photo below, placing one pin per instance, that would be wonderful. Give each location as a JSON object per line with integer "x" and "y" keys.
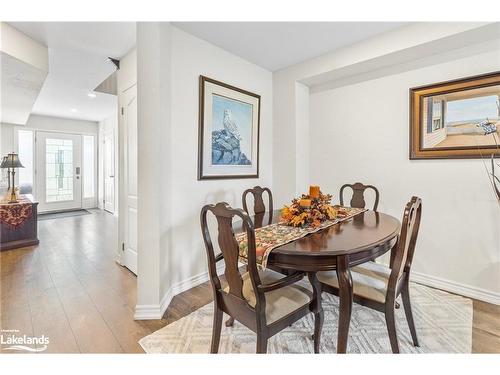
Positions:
{"x": 377, "y": 286}
{"x": 259, "y": 208}
{"x": 262, "y": 300}
{"x": 358, "y": 195}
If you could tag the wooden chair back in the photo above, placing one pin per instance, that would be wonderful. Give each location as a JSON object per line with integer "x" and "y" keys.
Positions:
{"x": 228, "y": 245}
{"x": 358, "y": 195}
{"x": 258, "y": 202}
{"x": 232, "y": 300}
{"x": 405, "y": 246}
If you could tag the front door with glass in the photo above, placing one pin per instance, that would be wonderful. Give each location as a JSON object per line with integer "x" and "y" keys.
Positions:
{"x": 58, "y": 171}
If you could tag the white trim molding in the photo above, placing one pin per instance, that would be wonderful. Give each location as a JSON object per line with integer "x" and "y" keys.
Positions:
{"x": 154, "y": 312}
{"x": 457, "y": 288}
{"x": 147, "y": 312}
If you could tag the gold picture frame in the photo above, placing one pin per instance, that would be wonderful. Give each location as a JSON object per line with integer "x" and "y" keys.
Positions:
{"x": 456, "y": 119}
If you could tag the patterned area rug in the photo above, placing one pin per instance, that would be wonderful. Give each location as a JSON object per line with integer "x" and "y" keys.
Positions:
{"x": 443, "y": 320}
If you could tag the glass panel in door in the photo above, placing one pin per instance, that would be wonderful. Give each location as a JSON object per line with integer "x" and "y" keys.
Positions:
{"x": 59, "y": 170}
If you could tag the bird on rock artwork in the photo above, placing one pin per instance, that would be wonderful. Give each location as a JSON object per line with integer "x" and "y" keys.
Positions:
{"x": 230, "y": 125}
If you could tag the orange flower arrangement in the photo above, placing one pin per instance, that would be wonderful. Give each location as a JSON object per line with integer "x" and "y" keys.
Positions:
{"x": 310, "y": 210}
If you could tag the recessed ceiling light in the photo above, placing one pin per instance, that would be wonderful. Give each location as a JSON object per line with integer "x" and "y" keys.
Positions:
{"x": 91, "y": 95}
{"x": 74, "y": 110}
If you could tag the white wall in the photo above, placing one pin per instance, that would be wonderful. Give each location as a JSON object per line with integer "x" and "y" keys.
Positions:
{"x": 358, "y": 102}
{"x": 45, "y": 123}
{"x": 359, "y": 132}
{"x": 170, "y": 62}
{"x": 153, "y": 150}
{"x": 408, "y": 45}
{"x": 192, "y": 57}
{"x": 7, "y": 138}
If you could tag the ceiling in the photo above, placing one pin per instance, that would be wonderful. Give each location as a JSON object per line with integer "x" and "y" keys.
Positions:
{"x": 78, "y": 63}
{"x": 21, "y": 83}
{"x": 78, "y": 53}
{"x": 276, "y": 45}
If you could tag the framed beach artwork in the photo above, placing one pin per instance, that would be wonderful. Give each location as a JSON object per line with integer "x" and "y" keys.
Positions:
{"x": 456, "y": 119}
{"x": 228, "y": 139}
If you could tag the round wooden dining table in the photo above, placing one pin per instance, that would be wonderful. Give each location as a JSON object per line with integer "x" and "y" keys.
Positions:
{"x": 339, "y": 247}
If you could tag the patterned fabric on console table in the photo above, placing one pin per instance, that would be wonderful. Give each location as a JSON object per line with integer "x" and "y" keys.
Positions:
{"x": 14, "y": 215}
{"x": 275, "y": 235}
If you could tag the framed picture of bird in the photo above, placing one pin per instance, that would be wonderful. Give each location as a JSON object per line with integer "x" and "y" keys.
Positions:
{"x": 228, "y": 138}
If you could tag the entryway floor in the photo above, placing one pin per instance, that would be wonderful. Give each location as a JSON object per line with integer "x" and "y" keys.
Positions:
{"x": 70, "y": 288}
{"x": 60, "y": 215}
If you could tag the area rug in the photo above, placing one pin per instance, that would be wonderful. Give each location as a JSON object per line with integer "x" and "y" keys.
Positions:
{"x": 443, "y": 321}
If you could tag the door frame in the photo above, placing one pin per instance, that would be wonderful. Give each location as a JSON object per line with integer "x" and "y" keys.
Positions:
{"x": 85, "y": 204}
{"x": 115, "y": 171}
{"x": 123, "y": 201}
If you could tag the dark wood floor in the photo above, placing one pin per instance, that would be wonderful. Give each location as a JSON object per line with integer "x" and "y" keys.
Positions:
{"x": 71, "y": 289}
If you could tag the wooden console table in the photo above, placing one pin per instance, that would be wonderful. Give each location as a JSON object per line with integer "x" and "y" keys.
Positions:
{"x": 18, "y": 223}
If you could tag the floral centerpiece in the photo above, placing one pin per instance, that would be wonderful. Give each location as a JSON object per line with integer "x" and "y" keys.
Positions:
{"x": 310, "y": 210}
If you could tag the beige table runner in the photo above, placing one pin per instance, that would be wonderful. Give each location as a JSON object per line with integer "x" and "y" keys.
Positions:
{"x": 275, "y": 235}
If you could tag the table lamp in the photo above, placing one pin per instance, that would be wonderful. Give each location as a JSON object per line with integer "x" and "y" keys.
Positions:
{"x": 11, "y": 162}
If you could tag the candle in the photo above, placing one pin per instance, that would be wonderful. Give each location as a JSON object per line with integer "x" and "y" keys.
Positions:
{"x": 314, "y": 191}
{"x": 305, "y": 203}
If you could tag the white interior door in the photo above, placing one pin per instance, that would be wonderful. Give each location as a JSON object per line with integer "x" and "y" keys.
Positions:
{"x": 58, "y": 171}
{"x": 129, "y": 114}
{"x": 109, "y": 171}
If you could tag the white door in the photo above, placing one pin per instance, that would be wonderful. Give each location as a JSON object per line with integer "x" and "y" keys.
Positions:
{"x": 109, "y": 171}
{"x": 58, "y": 171}
{"x": 129, "y": 117}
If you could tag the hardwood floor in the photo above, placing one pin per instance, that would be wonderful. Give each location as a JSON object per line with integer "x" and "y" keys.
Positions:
{"x": 71, "y": 289}
{"x": 485, "y": 328}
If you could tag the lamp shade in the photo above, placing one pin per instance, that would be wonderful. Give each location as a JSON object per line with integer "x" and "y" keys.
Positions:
{"x": 12, "y": 161}
{"x": 4, "y": 161}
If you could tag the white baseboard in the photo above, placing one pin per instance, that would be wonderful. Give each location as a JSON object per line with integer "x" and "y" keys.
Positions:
{"x": 457, "y": 288}
{"x": 187, "y": 284}
{"x": 153, "y": 312}
{"x": 148, "y": 312}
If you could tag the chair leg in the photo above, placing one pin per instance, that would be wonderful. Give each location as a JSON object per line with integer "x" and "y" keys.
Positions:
{"x": 391, "y": 327}
{"x": 230, "y": 322}
{"x": 261, "y": 344}
{"x": 318, "y": 326}
{"x": 405, "y": 295}
{"x": 214, "y": 348}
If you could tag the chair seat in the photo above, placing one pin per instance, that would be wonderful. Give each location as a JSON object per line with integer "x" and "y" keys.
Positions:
{"x": 369, "y": 280}
{"x": 279, "y": 302}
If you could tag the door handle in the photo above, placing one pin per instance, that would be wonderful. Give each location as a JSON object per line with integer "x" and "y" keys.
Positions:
{"x": 113, "y": 176}
{"x": 77, "y": 170}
